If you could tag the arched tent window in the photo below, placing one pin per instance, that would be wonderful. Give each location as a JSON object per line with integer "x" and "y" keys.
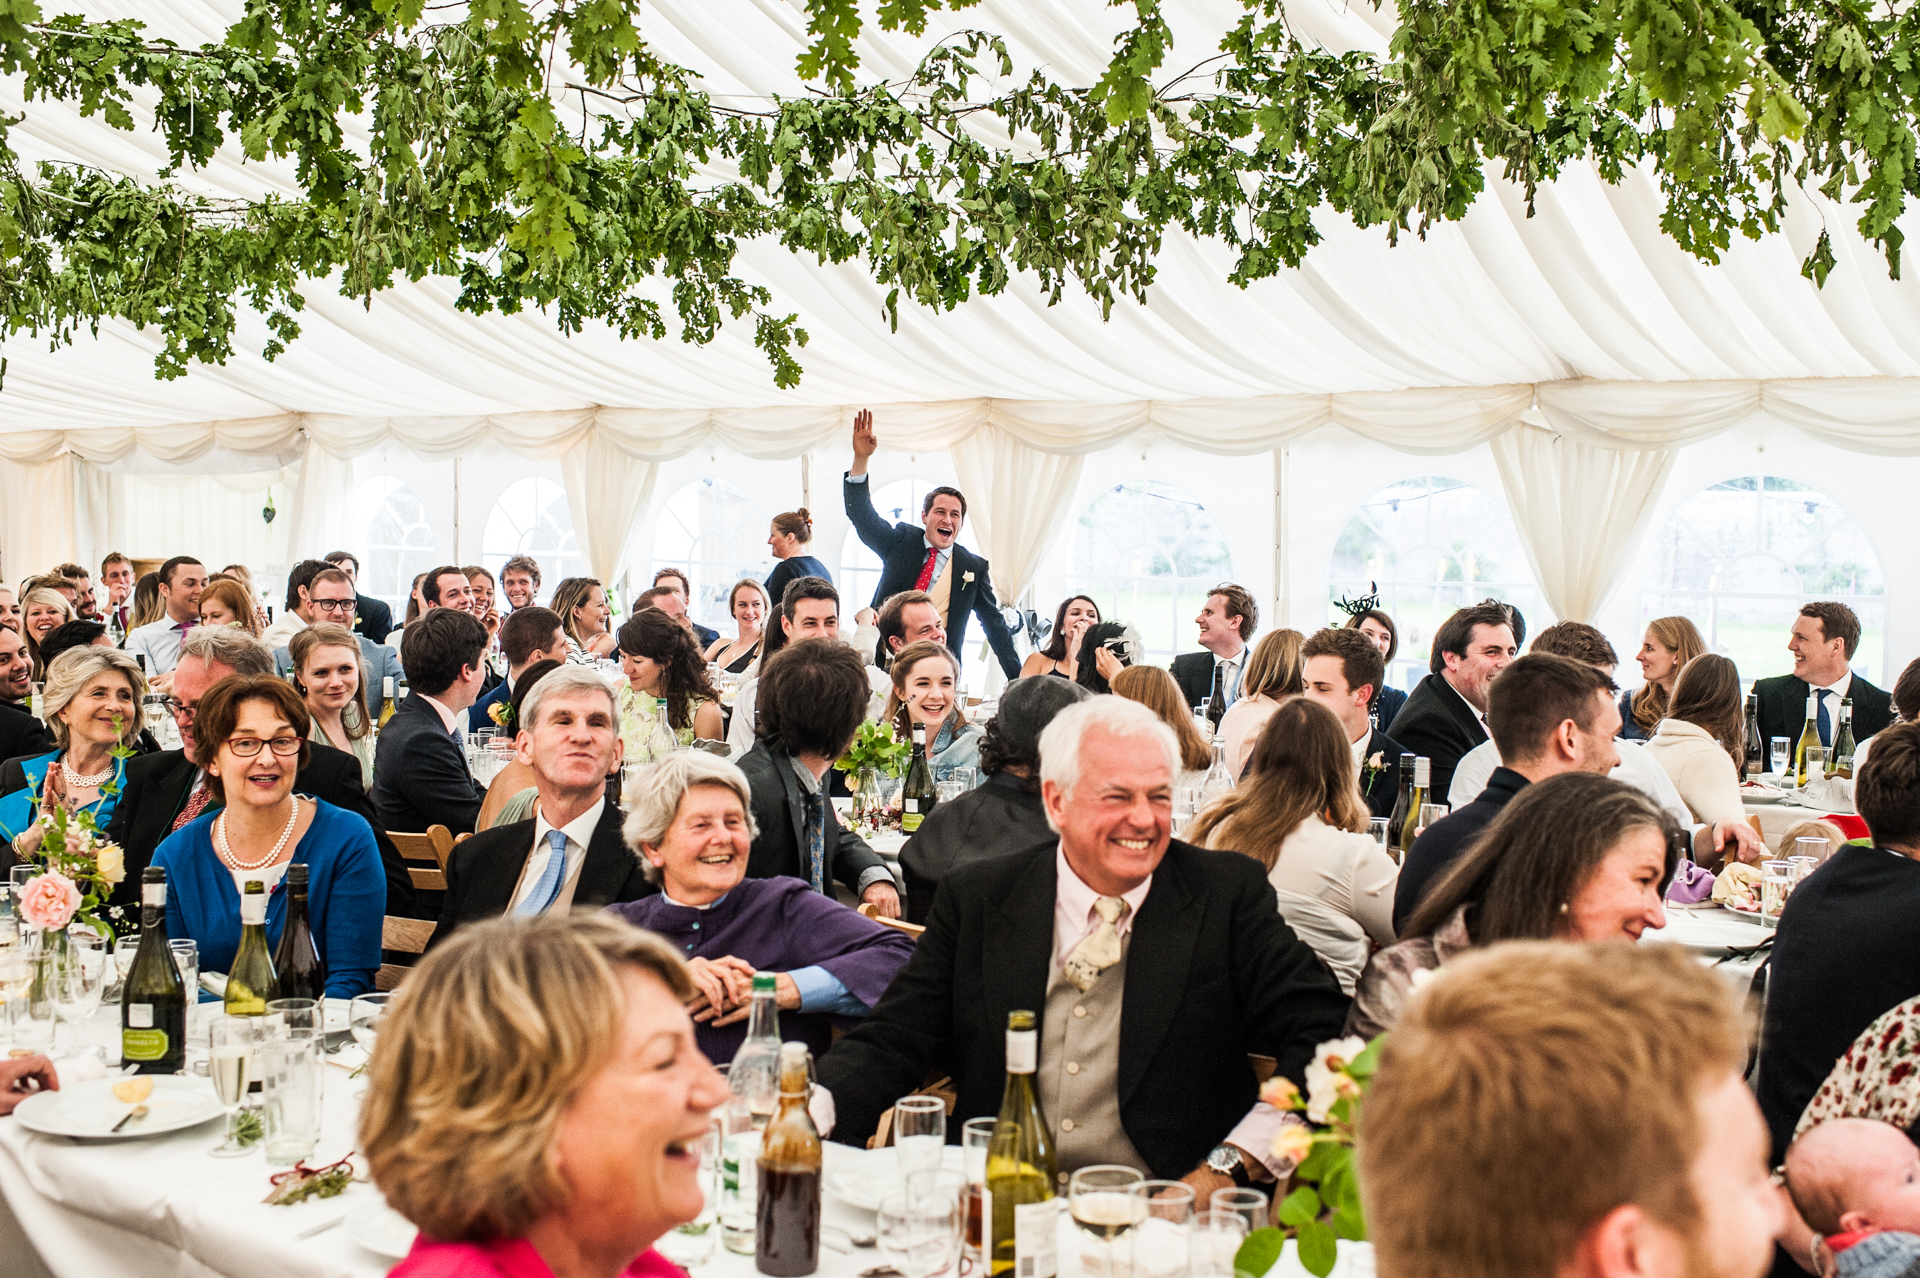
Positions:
{"x": 1741, "y": 556}
{"x": 399, "y": 539}
{"x": 716, "y": 535}
{"x": 1432, "y": 544}
{"x": 898, "y": 503}
{"x": 532, "y": 518}
{"x": 1147, "y": 553}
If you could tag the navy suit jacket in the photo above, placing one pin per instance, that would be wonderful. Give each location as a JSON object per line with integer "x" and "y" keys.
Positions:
{"x": 420, "y": 776}
{"x": 372, "y": 618}
{"x": 903, "y": 552}
{"x": 477, "y": 717}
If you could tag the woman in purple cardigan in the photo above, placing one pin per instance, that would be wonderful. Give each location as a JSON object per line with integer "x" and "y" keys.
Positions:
{"x": 691, "y": 822}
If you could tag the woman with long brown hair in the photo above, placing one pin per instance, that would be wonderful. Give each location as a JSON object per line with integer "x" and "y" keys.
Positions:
{"x": 1076, "y": 615}
{"x": 926, "y": 693}
{"x": 660, "y": 661}
{"x": 1670, "y": 643}
{"x": 1703, "y": 739}
{"x": 1155, "y": 689}
{"x": 1299, "y": 813}
{"x": 225, "y": 602}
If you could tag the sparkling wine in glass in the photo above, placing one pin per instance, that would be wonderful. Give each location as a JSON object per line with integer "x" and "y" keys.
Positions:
{"x": 229, "y": 1061}
{"x": 1101, "y": 1200}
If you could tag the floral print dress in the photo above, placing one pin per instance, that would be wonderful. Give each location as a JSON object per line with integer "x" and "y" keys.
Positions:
{"x": 1878, "y": 1077}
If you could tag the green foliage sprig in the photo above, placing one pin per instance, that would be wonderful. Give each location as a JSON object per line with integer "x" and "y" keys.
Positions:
{"x": 875, "y": 747}
{"x": 541, "y": 154}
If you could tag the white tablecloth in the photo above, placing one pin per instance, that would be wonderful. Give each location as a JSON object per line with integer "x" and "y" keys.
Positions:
{"x": 163, "y": 1208}
{"x": 1715, "y": 934}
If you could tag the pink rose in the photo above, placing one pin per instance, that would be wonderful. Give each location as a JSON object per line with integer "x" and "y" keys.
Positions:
{"x": 1292, "y": 1143}
{"x": 49, "y": 901}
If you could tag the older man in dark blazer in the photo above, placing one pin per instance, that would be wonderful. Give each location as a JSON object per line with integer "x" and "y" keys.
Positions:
{"x": 1155, "y": 970}
{"x": 813, "y": 697}
{"x": 420, "y": 773}
{"x": 926, "y": 556}
{"x": 570, "y": 854}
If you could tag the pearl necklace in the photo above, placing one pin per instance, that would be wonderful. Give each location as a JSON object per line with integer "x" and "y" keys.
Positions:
{"x": 226, "y": 851}
{"x": 83, "y": 780}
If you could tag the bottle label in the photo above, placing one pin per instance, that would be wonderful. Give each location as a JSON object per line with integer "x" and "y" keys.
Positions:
{"x": 1023, "y": 1051}
{"x": 153, "y": 894}
{"x": 139, "y": 1016}
{"x": 143, "y": 1044}
{"x": 1036, "y": 1239}
{"x": 253, "y": 908}
{"x": 910, "y": 820}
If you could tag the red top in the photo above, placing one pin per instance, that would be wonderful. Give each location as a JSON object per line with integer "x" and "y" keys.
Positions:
{"x": 506, "y": 1258}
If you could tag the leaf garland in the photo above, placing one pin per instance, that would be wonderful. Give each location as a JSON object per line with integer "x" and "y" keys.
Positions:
{"x": 541, "y": 154}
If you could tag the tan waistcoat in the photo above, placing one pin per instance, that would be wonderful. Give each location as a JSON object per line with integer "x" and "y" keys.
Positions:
{"x": 1079, "y": 1071}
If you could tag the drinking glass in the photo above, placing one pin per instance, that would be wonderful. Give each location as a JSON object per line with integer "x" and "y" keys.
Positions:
{"x": 79, "y": 978}
{"x": 186, "y": 957}
{"x": 1777, "y": 751}
{"x": 919, "y": 1236}
{"x": 948, "y": 790}
{"x": 968, "y": 778}
{"x": 1799, "y": 867}
{"x": 1818, "y": 849}
{"x": 976, "y": 1135}
{"x": 1217, "y": 1236}
{"x": 937, "y": 1184}
{"x": 1816, "y": 762}
{"x": 919, "y": 1133}
{"x": 1249, "y": 1204}
{"x": 293, "y": 1015}
{"x": 230, "y": 1044}
{"x": 690, "y": 1243}
{"x": 16, "y": 976}
{"x": 1100, "y": 1199}
{"x": 42, "y": 963}
{"x": 1163, "y": 1242}
{"x": 1775, "y": 883}
{"x": 1381, "y": 828}
{"x": 1431, "y": 812}
{"x": 290, "y": 1094}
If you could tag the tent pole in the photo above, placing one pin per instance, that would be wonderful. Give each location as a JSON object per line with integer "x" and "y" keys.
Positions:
{"x": 806, "y": 481}
{"x": 1282, "y": 576}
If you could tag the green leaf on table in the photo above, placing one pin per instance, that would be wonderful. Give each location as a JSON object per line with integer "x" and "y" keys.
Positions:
{"x": 1319, "y": 1159}
{"x": 1260, "y": 1252}
{"x": 1363, "y": 1066}
{"x": 1318, "y": 1249}
{"x": 1299, "y": 1207}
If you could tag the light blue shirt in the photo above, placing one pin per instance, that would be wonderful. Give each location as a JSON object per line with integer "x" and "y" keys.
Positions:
{"x": 820, "y": 990}
{"x": 158, "y": 641}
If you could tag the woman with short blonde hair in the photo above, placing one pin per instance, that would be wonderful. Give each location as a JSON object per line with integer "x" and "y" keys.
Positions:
{"x": 535, "y": 1097}
{"x": 92, "y": 706}
{"x": 43, "y": 610}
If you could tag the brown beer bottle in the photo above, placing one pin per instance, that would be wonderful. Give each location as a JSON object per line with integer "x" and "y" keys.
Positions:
{"x": 786, "y": 1241}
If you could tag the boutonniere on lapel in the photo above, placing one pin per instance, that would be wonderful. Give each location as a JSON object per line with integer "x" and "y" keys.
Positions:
{"x": 966, "y": 577}
{"x": 1374, "y": 767}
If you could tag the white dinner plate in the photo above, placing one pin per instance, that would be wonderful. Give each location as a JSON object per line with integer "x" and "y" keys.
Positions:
{"x": 89, "y": 1110}
{"x": 380, "y": 1229}
{"x": 1761, "y": 796}
{"x": 872, "y": 1174}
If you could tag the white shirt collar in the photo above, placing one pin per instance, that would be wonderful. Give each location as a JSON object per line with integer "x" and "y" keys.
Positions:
{"x": 1073, "y": 915}
{"x": 1841, "y": 686}
{"x": 446, "y": 715}
{"x": 1359, "y": 748}
{"x": 578, "y": 831}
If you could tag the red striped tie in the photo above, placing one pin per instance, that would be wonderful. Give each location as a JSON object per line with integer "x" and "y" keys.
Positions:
{"x": 926, "y": 571}
{"x": 196, "y": 804}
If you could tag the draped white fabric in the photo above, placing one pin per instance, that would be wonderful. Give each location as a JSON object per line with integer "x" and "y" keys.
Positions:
{"x": 1017, "y": 500}
{"x": 1580, "y": 511}
{"x": 610, "y": 487}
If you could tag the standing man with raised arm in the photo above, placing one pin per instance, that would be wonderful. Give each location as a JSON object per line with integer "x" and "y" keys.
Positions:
{"x": 927, "y": 556}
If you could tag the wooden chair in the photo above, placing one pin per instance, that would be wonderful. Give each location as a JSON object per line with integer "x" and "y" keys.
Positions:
{"x": 403, "y": 936}
{"x": 868, "y": 909}
{"x": 436, "y": 845}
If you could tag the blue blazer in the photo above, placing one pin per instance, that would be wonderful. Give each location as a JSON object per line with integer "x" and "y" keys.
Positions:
{"x": 903, "y": 551}
{"x": 346, "y": 896}
{"x": 477, "y": 716}
{"x": 793, "y": 569}
{"x": 420, "y": 777}
{"x": 18, "y": 809}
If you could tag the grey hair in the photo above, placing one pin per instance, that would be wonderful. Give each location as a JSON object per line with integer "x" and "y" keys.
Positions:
{"x": 1061, "y": 740}
{"x": 566, "y": 679}
{"x": 654, "y": 799}
{"x": 235, "y": 649}
{"x": 73, "y": 670}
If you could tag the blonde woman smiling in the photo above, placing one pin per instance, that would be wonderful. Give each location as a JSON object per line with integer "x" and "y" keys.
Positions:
{"x": 926, "y": 692}
{"x": 327, "y": 675}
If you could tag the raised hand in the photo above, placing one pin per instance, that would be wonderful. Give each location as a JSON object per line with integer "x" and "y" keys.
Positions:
{"x": 864, "y": 440}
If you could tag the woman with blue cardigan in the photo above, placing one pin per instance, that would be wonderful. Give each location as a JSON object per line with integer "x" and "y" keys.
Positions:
{"x": 252, "y": 730}
{"x": 92, "y": 708}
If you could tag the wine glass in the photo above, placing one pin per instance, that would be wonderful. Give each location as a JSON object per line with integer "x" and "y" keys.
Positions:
{"x": 79, "y": 978}
{"x": 125, "y": 947}
{"x": 1100, "y": 1199}
{"x": 230, "y": 1042}
{"x": 364, "y": 1015}
{"x": 920, "y": 1236}
{"x": 1163, "y": 1242}
{"x": 16, "y": 975}
{"x": 919, "y": 1133}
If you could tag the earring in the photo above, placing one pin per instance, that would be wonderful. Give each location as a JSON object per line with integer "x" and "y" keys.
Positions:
{"x": 1563, "y": 907}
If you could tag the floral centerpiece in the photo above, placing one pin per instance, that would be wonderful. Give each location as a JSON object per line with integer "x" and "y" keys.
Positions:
{"x": 81, "y": 866}
{"x": 874, "y": 750}
{"x": 1324, "y": 1206}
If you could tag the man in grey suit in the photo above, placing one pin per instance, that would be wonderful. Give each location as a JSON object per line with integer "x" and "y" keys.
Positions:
{"x": 329, "y": 597}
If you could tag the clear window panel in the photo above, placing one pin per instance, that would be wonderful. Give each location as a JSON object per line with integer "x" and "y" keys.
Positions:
{"x": 715, "y": 534}
{"x": 532, "y": 518}
{"x": 1148, "y": 553}
{"x": 399, "y": 539}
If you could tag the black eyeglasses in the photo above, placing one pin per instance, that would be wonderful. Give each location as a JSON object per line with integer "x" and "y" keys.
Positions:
{"x": 177, "y": 708}
{"x": 247, "y": 747}
{"x": 332, "y": 605}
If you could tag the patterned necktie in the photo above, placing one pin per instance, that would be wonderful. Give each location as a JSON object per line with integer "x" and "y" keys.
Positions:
{"x": 1099, "y": 949}
{"x": 1824, "y": 724}
{"x": 816, "y": 835}
{"x": 196, "y": 803}
{"x": 547, "y": 886}
{"x": 926, "y": 571}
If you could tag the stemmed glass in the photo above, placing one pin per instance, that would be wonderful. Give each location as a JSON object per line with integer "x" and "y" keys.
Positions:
{"x": 16, "y": 973}
{"x": 364, "y": 1015}
{"x": 78, "y": 978}
{"x": 919, "y": 1235}
{"x": 125, "y": 946}
{"x": 230, "y": 1043}
{"x": 1101, "y": 1201}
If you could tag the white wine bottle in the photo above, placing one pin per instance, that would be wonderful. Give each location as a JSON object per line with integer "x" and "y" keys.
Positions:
{"x": 1416, "y": 798}
{"x": 1809, "y": 738}
{"x": 916, "y": 792}
{"x": 153, "y": 1011}
{"x": 1840, "y": 758}
{"x": 251, "y": 984}
{"x": 1021, "y": 1168}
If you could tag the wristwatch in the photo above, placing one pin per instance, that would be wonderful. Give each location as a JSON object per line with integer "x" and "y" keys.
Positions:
{"x": 1229, "y": 1161}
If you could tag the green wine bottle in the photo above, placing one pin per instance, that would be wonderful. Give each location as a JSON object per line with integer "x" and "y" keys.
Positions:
{"x": 916, "y": 792}
{"x": 153, "y": 1011}
{"x": 1416, "y": 799}
{"x": 1809, "y": 739}
{"x": 1022, "y": 1173}
{"x": 251, "y": 984}
{"x": 297, "y": 962}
